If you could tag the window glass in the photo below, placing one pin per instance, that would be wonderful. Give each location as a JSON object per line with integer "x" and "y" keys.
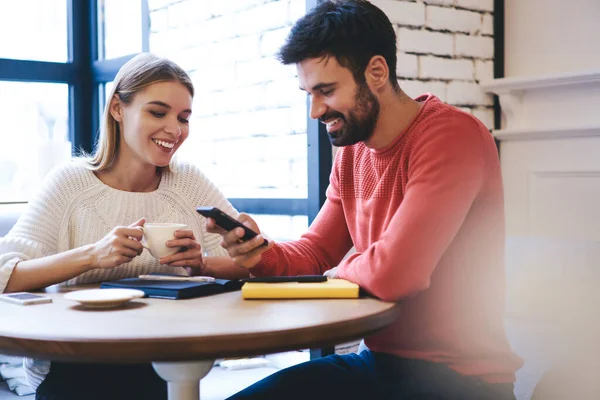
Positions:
{"x": 34, "y": 30}
{"x": 282, "y": 228}
{"x": 35, "y": 124}
{"x": 105, "y": 89}
{"x": 120, "y": 28}
{"x": 248, "y": 128}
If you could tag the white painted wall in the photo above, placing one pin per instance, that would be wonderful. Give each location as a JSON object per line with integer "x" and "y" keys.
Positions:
{"x": 549, "y": 148}
{"x": 552, "y": 179}
{"x": 551, "y": 36}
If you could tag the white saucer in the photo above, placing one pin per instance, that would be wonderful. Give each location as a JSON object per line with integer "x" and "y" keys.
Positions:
{"x": 104, "y": 298}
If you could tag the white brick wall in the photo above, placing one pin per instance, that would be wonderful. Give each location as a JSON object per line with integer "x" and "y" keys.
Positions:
{"x": 474, "y": 46}
{"x": 407, "y": 66}
{"x": 262, "y": 18}
{"x": 479, "y": 5}
{"x": 159, "y": 21}
{"x": 427, "y": 42}
{"x": 485, "y": 115}
{"x": 484, "y": 70}
{"x": 402, "y": 12}
{"x": 416, "y": 88}
{"x": 445, "y": 47}
{"x": 440, "y": 2}
{"x": 487, "y": 27}
{"x": 271, "y": 41}
{"x": 283, "y": 92}
{"x": 445, "y": 68}
{"x": 467, "y": 94}
{"x": 450, "y": 19}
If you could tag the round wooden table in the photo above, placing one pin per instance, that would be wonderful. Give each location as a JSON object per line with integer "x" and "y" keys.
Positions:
{"x": 175, "y": 334}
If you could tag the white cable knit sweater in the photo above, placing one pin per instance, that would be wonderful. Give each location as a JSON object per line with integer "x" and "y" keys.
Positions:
{"x": 75, "y": 208}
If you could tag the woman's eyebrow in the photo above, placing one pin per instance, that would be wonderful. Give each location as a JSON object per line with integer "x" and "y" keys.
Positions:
{"x": 159, "y": 103}
{"x": 165, "y": 105}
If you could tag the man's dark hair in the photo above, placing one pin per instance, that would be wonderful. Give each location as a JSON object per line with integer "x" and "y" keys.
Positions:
{"x": 352, "y": 31}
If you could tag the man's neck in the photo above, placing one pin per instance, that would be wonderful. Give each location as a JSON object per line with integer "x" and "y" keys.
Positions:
{"x": 397, "y": 112}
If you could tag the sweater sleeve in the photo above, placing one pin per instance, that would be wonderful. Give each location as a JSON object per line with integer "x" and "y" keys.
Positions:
{"x": 35, "y": 234}
{"x": 204, "y": 193}
{"x": 321, "y": 248}
{"x": 212, "y": 241}
{"x": 446, "y": 170}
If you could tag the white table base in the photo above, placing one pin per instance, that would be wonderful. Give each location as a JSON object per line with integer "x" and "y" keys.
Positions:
{"x": 183, "y": 378}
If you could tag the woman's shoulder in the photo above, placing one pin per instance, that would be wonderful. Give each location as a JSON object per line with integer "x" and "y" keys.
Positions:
{"x": 182, "y": 172}
{"x": 187, "y": 180}
{"x": 70, "y": 176}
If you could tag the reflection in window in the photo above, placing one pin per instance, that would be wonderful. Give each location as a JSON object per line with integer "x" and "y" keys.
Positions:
{"x": 34, "y": 118}
{"x": 120, "y": 28}
{"x": 105, "y": 89}
{"x": 248, "y": 128}
{"x": 282, "y": 228}
{"x": 34, "y": 30}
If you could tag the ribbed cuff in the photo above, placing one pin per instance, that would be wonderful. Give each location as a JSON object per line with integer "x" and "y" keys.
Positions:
{"x": 6, "y": 270}
{"x": 35, "y": 371}
{"x": 267, "y": 265}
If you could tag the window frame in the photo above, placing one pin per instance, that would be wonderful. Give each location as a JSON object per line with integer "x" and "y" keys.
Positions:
{"x": 85, "y": 73}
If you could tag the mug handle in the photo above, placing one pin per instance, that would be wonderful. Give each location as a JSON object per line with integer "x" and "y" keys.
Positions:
{"x": 143, "y": 241}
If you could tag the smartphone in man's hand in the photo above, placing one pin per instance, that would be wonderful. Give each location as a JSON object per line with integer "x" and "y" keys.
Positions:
{"x": 227, "y": 223}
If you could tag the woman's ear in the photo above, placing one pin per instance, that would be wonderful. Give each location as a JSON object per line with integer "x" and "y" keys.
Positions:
{"x": 116, "y": 109}
{"x": 377, "y": 72}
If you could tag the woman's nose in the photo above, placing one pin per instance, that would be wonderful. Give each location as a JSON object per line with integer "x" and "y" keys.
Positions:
{"x": 173, "y": 128}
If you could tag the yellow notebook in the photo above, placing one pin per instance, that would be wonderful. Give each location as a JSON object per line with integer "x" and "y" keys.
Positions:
{"x": 331, "y": 289}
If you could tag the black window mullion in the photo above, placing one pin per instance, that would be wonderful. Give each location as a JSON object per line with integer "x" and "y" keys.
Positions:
{"x": 319, "y": 161}
{"x": 83, "y": 94}
{"x": 106, "y": 70}
{"x": 35, "y": 71}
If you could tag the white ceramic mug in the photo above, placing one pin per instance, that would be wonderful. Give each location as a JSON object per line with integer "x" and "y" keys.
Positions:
{"x": 156, "y": 235}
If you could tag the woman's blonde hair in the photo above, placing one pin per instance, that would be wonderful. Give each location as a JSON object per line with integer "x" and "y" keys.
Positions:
{"x": 141, "y": 71}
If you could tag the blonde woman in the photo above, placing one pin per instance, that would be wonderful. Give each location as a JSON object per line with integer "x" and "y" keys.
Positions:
{"x": 84, "y": 225}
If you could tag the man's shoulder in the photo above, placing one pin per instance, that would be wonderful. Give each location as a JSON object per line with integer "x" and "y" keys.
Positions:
{"x": 448, "y": 123}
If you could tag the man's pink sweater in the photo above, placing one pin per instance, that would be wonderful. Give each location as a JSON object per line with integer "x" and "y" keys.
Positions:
{"x": 426, "y": 218}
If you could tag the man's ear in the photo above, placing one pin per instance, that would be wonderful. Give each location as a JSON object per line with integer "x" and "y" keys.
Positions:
{"x": 377, "y": 73}
{"x": 115, "y": 108}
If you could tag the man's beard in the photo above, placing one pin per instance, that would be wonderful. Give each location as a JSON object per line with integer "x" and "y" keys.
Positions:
{"x": 360, "y": 123}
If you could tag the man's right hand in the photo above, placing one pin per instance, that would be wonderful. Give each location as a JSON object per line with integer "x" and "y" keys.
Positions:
{"x": 119, "y": 246}
{"x": 245, "y": 254}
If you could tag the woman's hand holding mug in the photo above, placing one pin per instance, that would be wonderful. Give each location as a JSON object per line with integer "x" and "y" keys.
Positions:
{"x": 119, "y": 246}
{"x": 189, "y": 254}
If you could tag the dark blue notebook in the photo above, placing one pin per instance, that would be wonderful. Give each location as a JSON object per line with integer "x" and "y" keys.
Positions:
{"x": 175, "y": 289}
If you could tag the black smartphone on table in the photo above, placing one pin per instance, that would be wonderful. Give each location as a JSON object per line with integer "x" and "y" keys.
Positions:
{"x": 227, "y": 223}
{"x": 280, "y": 279}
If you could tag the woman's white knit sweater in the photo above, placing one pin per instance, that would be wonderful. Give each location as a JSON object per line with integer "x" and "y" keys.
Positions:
{"x": 74, "y": 208}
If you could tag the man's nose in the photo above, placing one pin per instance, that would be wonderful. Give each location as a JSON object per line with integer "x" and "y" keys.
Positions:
{"x": 317, "y": 108}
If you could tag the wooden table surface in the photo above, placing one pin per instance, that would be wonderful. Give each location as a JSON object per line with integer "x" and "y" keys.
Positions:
{"x": 224, "y": 325}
